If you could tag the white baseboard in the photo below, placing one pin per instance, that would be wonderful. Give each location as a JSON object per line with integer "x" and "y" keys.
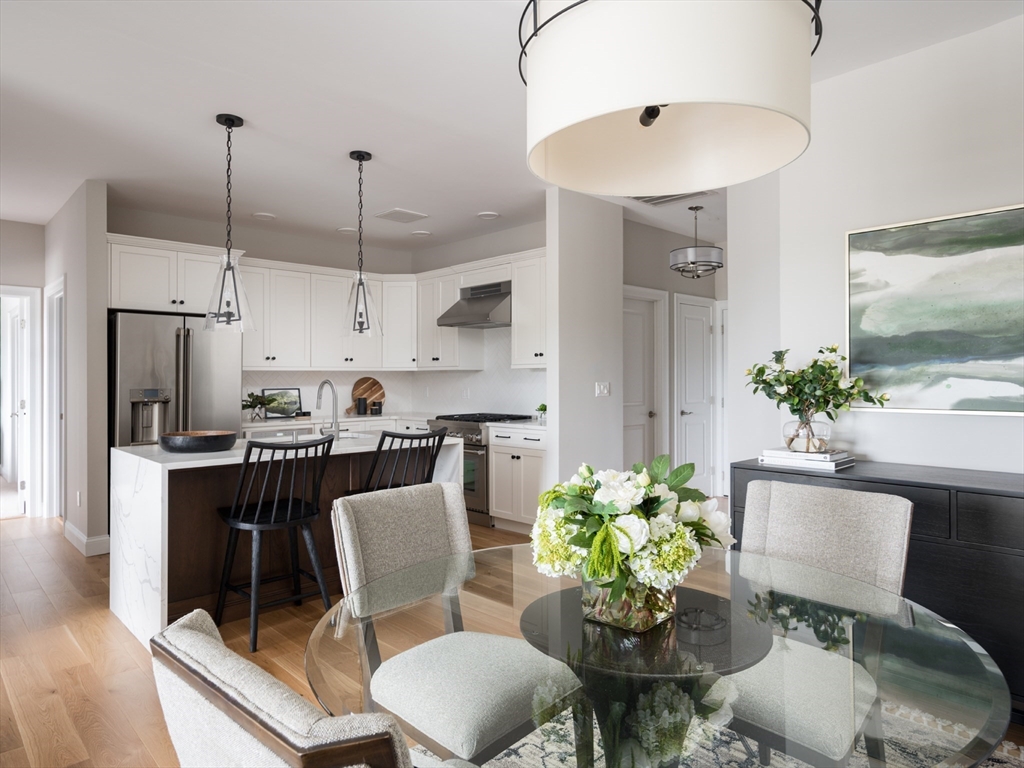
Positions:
{"x": 95, "y": 545}
{"x": 512, "y": 525}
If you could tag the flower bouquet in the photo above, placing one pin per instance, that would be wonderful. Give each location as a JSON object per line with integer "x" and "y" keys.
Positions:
{"x": 818, "y": 387}
{"x": 632, "y": 536}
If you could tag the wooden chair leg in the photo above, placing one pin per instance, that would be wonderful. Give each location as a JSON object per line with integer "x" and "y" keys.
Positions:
{"x": 874, "y": 738}
{"x": 764, "y": 753}
{"x": 314, "y": 558}
{"x": 293, "y": 545}
{"x": 225, "y": 578}
{"x": 254, "y": 590}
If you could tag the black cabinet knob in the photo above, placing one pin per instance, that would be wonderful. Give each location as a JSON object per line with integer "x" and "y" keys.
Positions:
{"x": 414, "y": 359}
{"x": 267, "y": 357}
{"x": 542, "y": 354}
{"x": 535, "y": 354}
{"x": 174, "y": 301}
{"x": 182, "y": 301}
{"x": 274, "y": 358}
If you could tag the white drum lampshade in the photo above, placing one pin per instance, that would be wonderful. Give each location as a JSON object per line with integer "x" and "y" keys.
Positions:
{"x": 731, "y": 78}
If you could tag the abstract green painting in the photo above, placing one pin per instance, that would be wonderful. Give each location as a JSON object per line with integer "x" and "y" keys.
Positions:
{"x": 936, "y": 312}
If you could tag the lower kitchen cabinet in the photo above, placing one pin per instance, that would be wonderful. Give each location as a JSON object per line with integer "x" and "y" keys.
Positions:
{"x": 514, "y": 478}
{"x": 966, "y": 556}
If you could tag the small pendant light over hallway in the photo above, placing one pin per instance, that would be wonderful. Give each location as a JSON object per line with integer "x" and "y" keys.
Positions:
{"x": 650, "y": 97}
{"x": 696, "y": 260}
{"x": 229, "y": 306}
{"x": 361, "y": 307}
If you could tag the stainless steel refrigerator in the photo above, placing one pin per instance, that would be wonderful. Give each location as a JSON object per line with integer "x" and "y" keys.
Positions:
{"x": 198, "y": 372}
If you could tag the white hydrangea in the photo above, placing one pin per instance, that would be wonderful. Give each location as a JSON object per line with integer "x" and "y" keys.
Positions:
{"x": 661, "y": 720}
{"x": 552, "y": 553}
{"x": 662, "y": 526}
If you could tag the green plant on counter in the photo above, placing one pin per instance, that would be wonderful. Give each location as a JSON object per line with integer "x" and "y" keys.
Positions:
{"x": 256, "y": 403}
{"x": 542, "y": 408}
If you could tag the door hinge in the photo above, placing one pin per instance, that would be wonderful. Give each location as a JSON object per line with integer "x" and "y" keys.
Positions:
{"x": 23, "y": 323}
{"x": 711, "y": 329}
{"x": 22, "y": 485}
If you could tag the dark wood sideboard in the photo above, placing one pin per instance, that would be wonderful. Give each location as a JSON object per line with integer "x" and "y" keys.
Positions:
{"x": 966, "y": 559}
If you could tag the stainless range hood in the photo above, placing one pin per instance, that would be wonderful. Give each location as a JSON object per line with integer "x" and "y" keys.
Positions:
{"x": 480, "y": 306}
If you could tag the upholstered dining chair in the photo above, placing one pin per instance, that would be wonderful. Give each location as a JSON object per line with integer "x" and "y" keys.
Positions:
{"x": 462, "y": 694}
{"x": 223, "y": 710}
{"x": 783, "y": 702}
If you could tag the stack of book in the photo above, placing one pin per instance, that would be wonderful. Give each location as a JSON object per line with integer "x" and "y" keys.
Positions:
{"x": 827, "y": 461}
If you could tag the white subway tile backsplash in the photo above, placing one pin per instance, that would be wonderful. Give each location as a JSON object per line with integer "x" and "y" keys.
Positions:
{"x": 498, "y": 388}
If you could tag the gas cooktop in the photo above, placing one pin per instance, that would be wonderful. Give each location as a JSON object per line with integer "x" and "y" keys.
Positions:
{"x": 482, "y": 418}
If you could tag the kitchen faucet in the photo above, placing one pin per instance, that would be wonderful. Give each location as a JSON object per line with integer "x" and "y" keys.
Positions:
{"x": 334, "y": 405}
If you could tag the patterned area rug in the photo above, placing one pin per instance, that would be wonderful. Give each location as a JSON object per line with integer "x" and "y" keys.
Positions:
{"x": 706, "y": 747}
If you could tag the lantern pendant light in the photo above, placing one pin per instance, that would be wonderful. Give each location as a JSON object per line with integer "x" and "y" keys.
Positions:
{"x": 695, "y": 261}
{"x": 229, "y": 306}
{"x": 361, "y": 307}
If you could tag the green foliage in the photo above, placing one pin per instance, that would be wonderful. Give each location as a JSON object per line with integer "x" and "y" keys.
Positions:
{"x": 659, "y": 468}
{"x": 818, "y": 387}
{"x": 787, "y": 612}
{"x": 253, "y": 401}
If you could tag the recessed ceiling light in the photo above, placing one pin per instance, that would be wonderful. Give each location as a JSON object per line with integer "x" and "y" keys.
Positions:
{"x": 263, "y": 216}
{"x": 487, "y": 215}
{"x": 346, "y": 230}
{"x": 421, "y": 233}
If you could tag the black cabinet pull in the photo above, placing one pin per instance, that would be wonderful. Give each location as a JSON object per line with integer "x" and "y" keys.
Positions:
{"x": 174, "y": 301}
{"x": 504, "y": 437}
{"x": 182, "y": 301}
{"x": 274, "y": 358}
{"x": 532, "y": 439}
{"x": 267, "y": 357}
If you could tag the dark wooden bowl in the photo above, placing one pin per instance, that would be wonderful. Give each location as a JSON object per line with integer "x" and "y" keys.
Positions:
{"x": 198, "y": 441}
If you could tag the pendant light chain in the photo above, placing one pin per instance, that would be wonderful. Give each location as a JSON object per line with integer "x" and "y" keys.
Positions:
{"x": 360, "y": 219}
{"x": 228, "y": 243}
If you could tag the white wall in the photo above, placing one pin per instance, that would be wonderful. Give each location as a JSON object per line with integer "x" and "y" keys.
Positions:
{"x": 513, "y": 240}
{"x": 76, "y": 247}
{"x": 934, "y": 132}
{"x": 22, "y": 253}
{"x": 584, "y": 334}
{"x": 259, "y": 242}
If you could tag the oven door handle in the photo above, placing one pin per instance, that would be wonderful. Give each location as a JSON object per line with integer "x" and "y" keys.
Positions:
{"x": 475, "y": 452}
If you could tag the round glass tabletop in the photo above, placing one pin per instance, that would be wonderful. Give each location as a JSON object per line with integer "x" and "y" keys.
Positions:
{"x": 761, "y": 653}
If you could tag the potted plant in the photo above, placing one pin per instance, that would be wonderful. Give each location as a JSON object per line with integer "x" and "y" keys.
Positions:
{"x": 542, "y": 413}
{"x": 255, "y": 404}
{"x": 818, "y": 387}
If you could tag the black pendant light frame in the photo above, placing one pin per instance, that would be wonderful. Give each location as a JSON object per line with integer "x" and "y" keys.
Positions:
{"x": 360, "y": 319}
{"x": 225, "y": 314}
{"x": 694, "y": 261}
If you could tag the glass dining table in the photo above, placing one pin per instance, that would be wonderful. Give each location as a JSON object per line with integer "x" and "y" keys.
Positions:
{"x": 761, "y": 654}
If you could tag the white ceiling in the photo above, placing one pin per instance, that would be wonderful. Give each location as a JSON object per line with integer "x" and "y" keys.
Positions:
{"x": 127, "y": 92}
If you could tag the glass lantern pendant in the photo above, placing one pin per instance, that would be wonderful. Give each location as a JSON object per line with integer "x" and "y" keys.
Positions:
{"x": 229, "y": 306}
{"x": 365, "y": 320}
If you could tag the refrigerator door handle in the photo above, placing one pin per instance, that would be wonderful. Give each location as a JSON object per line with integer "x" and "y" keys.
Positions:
{"x": 187, "y": 421}
{"x": 179, "y": 379}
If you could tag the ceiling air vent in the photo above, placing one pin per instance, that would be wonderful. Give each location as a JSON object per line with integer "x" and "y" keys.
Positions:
{"x": 401, "y": 215}
{"x": 660, "y": 200}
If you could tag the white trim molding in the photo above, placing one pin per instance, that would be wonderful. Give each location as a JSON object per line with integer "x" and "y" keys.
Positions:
{"x": 94, "y": 545}
{"x": 662, "y": 356}
{"x": 723, "y": 473}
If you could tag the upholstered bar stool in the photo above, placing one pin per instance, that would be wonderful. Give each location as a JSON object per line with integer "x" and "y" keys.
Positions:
{"x": 278, "y": 489}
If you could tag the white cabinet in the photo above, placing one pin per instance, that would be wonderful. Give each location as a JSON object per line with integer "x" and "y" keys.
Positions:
{"x": 398, "y": 317}
{"x": 514, "y": 477}
{"x": 256, "y": 343}
{"x": 487, "y": 275}
{"x": 529, "y": 304}
{"x": 444, "y": 348}
{"x": 279, "y": 301}
{"x": 411, "y": 425}
{"x": 333, "y": 344}
{"x": 160, "y": 279}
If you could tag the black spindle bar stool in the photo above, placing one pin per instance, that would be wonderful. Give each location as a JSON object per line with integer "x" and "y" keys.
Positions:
{"x": 278, "y": 488}
{"x": 403, "y": 460}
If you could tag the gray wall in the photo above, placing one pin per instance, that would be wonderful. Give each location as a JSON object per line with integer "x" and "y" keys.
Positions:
{"x": 22, "y": 253}
{"x": 513, "y": 240}
{"x": 76, "y": 247}
{"x": 259, "y": 243}
{"x": 645, "y": 252}
{"x": 935, "y": 132}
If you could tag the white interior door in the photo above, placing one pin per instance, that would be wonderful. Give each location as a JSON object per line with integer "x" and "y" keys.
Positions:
{"x": 694, "y": 398}
{"x": 55, "y": 397}
{"x": 638, "y": 398}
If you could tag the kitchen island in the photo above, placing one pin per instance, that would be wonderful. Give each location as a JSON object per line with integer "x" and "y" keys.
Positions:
{"x": 167, "y": 542}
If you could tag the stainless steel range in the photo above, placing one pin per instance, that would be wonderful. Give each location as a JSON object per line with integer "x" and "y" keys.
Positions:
{"x": 470, "y": 427}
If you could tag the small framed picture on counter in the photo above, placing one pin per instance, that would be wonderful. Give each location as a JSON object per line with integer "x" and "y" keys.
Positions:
{"x": 283, "y": 402}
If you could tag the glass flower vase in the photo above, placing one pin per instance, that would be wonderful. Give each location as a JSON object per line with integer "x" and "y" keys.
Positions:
{"x": 639, "y": 608}
{"x": 807, "y": 436}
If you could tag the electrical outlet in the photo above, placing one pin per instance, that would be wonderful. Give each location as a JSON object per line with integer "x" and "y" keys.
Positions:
{"x": 465, "y": 393}
{"x": 602, "y": 389}
{"x": 78, "y": 495}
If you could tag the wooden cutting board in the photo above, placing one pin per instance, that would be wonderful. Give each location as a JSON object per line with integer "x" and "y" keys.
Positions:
{"x": 369, "y": 388}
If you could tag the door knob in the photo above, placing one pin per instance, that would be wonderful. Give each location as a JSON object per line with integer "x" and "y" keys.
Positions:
{"x": 686, "y": 413}
{"x": 651, "y": 414}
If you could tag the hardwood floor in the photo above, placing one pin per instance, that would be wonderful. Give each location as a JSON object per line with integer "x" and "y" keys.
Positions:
{"x": 76, "y": 688}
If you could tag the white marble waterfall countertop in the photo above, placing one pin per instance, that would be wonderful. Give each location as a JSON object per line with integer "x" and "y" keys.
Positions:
{"x": 171, "y": 461}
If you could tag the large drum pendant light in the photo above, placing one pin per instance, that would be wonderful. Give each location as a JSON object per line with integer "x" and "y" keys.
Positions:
{"x": 229, "y": 306}
{"x": 655, "y": 97}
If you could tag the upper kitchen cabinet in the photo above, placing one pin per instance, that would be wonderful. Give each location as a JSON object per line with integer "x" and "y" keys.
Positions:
{"x": 529, "y": 305}
{"x": 279, "y": 301}
{"x": 398, "y": 316}
{"x": 161, "y": 276}
{"x": 334, "y": 345}
{"x": 444, "y": 348}
{"x": 495, "y": 274}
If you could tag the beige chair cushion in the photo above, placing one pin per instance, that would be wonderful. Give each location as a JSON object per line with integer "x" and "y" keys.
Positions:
{"x": 205, "y": 737}
{"x": 861, "y": 535}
